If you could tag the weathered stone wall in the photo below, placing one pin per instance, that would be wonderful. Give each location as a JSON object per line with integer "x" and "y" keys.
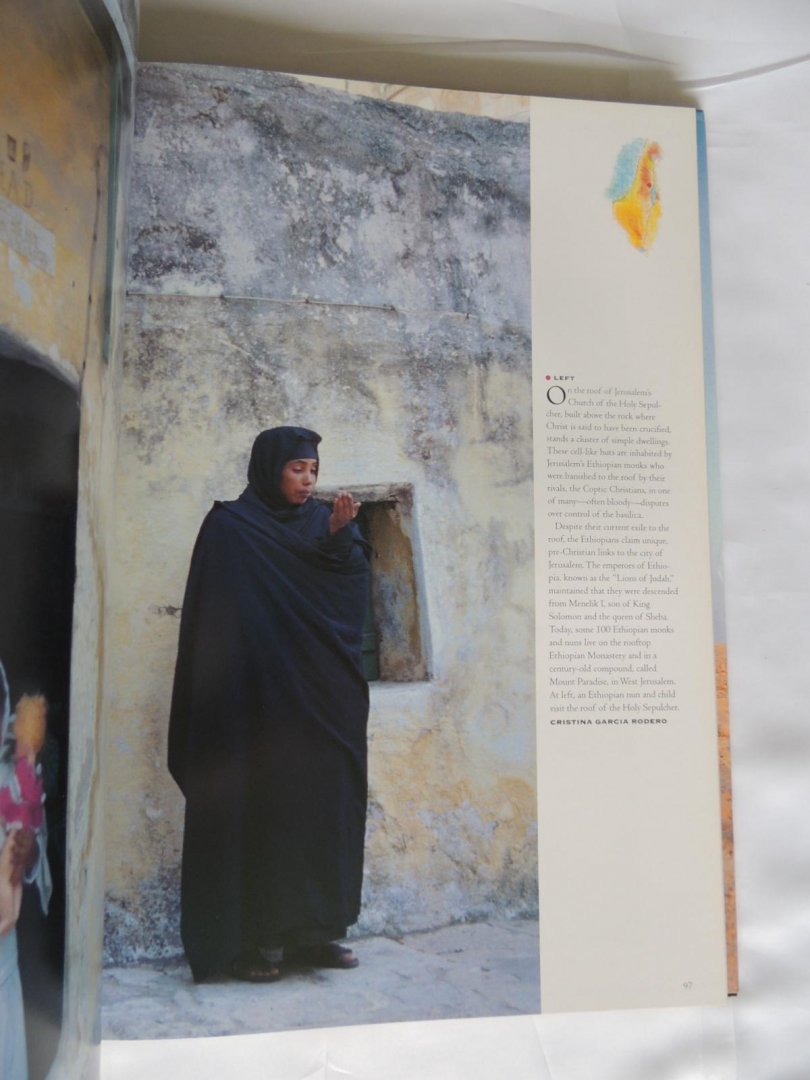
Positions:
{"x": 304, "y": 256}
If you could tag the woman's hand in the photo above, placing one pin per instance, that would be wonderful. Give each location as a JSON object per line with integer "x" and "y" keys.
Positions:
{"x": 344, "y": 510}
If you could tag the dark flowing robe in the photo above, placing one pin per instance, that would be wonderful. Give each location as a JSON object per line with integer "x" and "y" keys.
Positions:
{"x": 267, "y": 737}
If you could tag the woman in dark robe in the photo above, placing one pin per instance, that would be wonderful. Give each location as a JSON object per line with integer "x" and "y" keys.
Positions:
{"x": 267, "y": 737}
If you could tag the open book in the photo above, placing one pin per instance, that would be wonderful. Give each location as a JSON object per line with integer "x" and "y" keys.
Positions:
{"x": 497, "y": 314}
{"x": 501, "y": 326}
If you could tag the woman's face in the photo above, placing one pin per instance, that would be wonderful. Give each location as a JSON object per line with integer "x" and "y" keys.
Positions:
{"x": 298, "y": 480}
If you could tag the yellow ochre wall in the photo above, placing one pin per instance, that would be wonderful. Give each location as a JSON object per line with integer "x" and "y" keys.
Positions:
{"x": 54, "y": 149}
{"x": 56, "y": 88}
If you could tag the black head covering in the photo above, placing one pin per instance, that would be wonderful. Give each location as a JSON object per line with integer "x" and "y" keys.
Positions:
{"x": 272, "y": 449}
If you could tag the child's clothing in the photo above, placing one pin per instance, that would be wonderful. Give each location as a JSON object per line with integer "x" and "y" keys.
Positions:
{"x": 21, "y": 799}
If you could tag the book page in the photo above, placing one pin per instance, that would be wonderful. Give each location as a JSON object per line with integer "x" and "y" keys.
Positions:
{"x": 631, "y": 891}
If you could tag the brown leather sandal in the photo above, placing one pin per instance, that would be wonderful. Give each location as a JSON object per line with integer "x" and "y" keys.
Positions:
{"x": 328, "y": 955}
{"x": 254, "y": 968}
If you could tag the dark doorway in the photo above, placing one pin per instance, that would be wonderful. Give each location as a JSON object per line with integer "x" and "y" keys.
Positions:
{"x": 39, "y": 434}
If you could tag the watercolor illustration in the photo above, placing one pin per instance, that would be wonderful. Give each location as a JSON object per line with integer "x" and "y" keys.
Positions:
{"x": 634, "y": 192}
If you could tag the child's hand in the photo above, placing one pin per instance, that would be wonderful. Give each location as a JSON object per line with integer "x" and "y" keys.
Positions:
{"x": 10, "y": 902}
{"x": 10, "y": 893}
{"x": 22, "y": 853}
{"x": 344, "y": 510}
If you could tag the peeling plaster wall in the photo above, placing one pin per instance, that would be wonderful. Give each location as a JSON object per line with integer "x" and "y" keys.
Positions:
{"x": 304, "y": 256}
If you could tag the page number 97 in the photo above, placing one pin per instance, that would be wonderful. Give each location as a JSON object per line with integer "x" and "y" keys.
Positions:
{"x": 687, "y": 985}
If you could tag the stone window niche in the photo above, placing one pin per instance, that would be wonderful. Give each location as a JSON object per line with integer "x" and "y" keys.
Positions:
{"x": 395, "y": 641}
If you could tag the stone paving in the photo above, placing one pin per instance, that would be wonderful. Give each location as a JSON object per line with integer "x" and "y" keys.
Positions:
{"x": 467, "y": 970}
